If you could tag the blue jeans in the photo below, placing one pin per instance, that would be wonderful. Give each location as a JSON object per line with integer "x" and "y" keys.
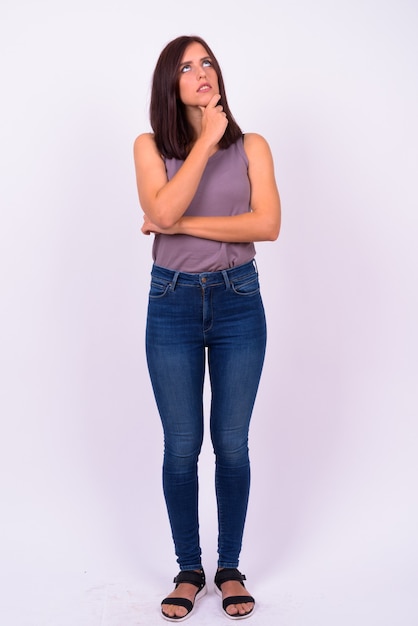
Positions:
{"x": 188, "y": 314}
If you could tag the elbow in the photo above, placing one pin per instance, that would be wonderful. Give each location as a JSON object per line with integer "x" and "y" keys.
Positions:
{"x": 273, "y": 231}
{"x": 164, "y": 213}
{"x": 162, "y": 218}
{"x": 164, "y": 222}
{"x": 268, "y": 223}
{"x": 276, "y": 234}
{"x": 268, "y": 232}
{"x": 276, "y": 222}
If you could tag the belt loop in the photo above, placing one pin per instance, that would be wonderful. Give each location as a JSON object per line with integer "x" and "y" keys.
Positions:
{"x": 226, "y": 279}
{"x": 174, "y": 281}
{"x": 255, "y": 266}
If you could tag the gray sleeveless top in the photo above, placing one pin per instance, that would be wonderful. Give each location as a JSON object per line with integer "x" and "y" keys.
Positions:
{"x": 224, "y": 189}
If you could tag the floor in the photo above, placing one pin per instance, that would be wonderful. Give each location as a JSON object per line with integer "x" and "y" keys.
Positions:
{"x": 71, "y": 600}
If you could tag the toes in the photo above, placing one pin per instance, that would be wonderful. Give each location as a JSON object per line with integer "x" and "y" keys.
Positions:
{"x": 232, "y": 610}
{"x": 171, "y": 610}
{"x": 241, "y": 609}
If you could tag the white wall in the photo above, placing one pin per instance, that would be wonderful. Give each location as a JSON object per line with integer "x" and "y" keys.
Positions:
{"x": 333, "y": 87}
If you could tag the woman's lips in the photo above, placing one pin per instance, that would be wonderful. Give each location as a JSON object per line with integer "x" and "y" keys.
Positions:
{"x": 204, "y": 87}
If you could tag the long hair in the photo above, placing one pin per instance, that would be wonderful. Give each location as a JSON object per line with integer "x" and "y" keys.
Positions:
{"x": 172, "y": 132}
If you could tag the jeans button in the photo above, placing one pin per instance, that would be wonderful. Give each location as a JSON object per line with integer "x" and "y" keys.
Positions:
{"x": 204, "y": 279}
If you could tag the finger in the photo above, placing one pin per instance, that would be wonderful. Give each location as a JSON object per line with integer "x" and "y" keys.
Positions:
{"x": 214, "y": 100}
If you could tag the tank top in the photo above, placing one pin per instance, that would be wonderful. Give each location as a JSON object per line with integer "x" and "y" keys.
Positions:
{"x": 224, "y": 189}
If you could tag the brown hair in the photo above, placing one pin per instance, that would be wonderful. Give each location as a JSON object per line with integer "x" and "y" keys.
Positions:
{"x": 172, "y": 131}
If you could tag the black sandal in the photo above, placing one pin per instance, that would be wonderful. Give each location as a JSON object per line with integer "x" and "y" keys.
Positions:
{"x": 224, "y": 575}
{"x": 193, "y": 578}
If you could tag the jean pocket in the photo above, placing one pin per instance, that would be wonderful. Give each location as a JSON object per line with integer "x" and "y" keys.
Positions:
{"x": 248, "y": 286}
{"x": 158, "y": 288}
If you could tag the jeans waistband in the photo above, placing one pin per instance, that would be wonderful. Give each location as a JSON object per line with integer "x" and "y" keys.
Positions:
{"x": 205, "y": 278}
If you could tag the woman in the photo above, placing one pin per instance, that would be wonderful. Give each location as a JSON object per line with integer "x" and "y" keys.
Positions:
{"x": 208, "y": 192}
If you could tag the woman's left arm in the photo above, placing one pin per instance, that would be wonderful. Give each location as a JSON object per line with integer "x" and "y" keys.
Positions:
{"x": 262, "y": 223}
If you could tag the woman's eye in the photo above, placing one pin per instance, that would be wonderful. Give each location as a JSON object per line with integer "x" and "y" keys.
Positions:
{"x": 185, "y": 68}
{"x": 207, "y": 63}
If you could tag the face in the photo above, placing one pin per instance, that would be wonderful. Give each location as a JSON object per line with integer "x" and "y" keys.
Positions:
{"x": 198, "y": 81}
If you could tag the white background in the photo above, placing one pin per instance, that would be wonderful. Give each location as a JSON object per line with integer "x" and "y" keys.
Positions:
{"x": 331, "y": 534}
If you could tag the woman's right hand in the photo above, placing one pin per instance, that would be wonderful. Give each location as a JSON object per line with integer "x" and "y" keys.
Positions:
{"x": 214, "y": 121}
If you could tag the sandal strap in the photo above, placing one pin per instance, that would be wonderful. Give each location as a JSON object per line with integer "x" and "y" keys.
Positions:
{"x": 184, "y": 602}
{"x": 229, "y": 573}
{"x": 197, "y": 579}
{"x": 237, "y": 600}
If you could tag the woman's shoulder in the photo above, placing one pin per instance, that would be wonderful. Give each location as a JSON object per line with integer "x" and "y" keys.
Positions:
{"x": 145, "y": 147}
{"x": 143, "y": 140}
{"x": 255, "y": 144}
{"x": 254, "y": 139}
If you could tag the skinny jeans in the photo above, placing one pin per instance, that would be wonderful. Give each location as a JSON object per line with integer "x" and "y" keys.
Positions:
{"x": 220, "y": 314}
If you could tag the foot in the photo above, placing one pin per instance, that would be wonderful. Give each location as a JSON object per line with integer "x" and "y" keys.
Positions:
{"x": 234, "y": 588}
{"x": 229, "y": 583}
{"x": 184, "y": 591}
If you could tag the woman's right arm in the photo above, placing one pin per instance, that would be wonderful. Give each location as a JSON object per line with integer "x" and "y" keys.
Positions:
{"x": 163, "y": 201}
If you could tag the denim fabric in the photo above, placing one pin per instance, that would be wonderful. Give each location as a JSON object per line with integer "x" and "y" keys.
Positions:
{"x": 220, "y": 313}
